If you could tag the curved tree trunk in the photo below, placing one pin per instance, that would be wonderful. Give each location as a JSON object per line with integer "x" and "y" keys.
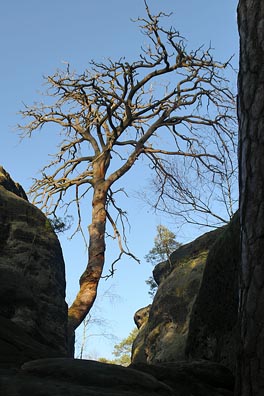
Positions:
{"x": 90, "y": 279}
{"x": 250, "y": 378}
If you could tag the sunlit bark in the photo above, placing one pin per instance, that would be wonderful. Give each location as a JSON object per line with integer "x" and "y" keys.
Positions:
{"x": 96, "y": 258}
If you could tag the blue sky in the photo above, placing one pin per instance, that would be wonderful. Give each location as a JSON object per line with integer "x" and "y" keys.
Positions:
{"x": 38, "y": 37}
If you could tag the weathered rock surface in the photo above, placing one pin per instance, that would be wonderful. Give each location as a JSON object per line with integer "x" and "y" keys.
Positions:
{"x": 10, "y": 185}
{"x": 138, "y": 347}
{"x": 163, "y": 336}
{"x": 213, "y": 324}
{"x": 32, "y": 279}
{"x": 141, "y": 316}
{"x": 197, "y": 378}
{"x": 69, "y": 377}
{"x": 17, "y": 346}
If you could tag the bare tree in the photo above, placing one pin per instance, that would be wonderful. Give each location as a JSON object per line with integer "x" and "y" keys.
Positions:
{"x": 169, "y": 102}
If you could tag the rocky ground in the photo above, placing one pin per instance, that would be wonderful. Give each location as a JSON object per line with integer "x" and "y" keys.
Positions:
{"x": 72, "y": 377}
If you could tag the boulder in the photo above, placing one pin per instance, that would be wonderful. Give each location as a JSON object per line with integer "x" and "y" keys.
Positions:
{"x": 163, "y": 336}
{"x": 32, "y": 277}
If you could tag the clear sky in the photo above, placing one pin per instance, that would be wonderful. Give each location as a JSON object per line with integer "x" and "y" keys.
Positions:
{"x": 38, "y": 37}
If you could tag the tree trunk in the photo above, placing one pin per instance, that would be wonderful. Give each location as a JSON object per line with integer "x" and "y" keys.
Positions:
{"x": 250, "y": 376}
{"x": 90, "y": 279}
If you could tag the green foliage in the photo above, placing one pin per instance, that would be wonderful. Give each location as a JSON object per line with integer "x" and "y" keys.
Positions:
{"x": 152, "y": 286}
{"x": 164, "y": 245}
{"x": 122, "y": 351}
{"x": 60, "y": 225}
{"x": 124, "y": 347}
{"x": 48, "y": 225}
{"x": 104, "y": 360}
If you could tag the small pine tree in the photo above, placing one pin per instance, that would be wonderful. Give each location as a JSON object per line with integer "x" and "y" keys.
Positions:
{"x": 164, "y": 244}
{"x": 122, "y": 351}
{"x": 152, "y": 286}
{"x": 59, "y": 224}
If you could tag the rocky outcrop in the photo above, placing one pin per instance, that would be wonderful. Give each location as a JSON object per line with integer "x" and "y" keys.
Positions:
{"x": 162, "y": 337}
{"x": 141, "y": 316}
{"x": 10, "y": 185}
{"x": 69, "y": 377}
{"x": 213, "y": 325}
{"x": 194, "y": 313}
{"x": 138, "y": 348}
{"x": 32, "y": 280}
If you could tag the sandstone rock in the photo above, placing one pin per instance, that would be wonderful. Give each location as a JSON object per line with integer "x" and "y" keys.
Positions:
{"x": 163, "y": 337}
{"x": 141, "y": 316}
{"x": 69, "y": 377}
{"x": 32, "y": 277}
{"x": 10, "y": 185}
{"x": 17, "y": 347}
{"x": 138, "y": 348}
{"x": 213, "y": 324}
{"x": 65, "y": 377}
{"x": 203, "y": 243}
{"x": 197, "y": 378}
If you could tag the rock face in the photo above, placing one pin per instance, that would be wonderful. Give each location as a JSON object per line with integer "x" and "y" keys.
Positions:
{"x": 138, "y": 348}
{"x": 162, "y": 336}
{"x": 32, "y": 280}
{"x": 194, "y": 313}
{"x": 10, "y": 185}
{"x": 213, "y": 325}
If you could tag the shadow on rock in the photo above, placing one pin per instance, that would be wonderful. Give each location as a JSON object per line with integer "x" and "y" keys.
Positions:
{"x": 70, "y": 377}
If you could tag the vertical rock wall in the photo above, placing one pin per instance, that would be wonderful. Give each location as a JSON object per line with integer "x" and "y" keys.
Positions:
{"x": 162, "y": 336}
{"x": 194, "y": 312}
{"x": 32, "y": 275}
{"x": 213, "y": 325}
